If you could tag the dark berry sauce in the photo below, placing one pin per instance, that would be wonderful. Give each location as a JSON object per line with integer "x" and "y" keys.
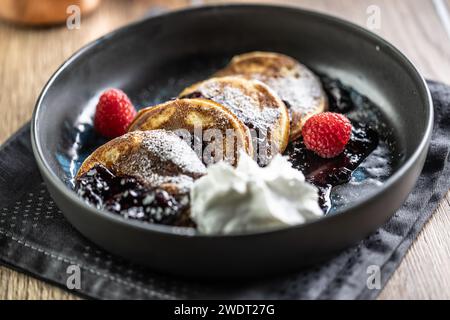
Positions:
{"x": 340, "y": 97}
{"x": 327, "y": 173}
{"x": 131, "y": 199}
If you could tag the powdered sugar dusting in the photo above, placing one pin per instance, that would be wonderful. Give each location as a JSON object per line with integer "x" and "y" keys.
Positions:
{"x": 247, "y": 106}
{"x": 255, "y": 104}
{"x": 301, "y": 89}
{"x": 162, "y": 158}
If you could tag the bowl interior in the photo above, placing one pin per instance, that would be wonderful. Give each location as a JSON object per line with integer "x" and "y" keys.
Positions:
{"x": 155, "y": 59}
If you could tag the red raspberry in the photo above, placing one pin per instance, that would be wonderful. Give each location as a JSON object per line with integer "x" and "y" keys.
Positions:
{"x": 327, "y": 133}
{"x": 114, "y": 113}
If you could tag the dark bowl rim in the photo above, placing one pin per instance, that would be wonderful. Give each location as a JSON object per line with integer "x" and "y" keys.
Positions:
{"x": 189, "y": 232}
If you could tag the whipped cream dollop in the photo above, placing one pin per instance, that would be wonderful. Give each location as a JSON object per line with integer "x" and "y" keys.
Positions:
{"x": 248, "y": 197}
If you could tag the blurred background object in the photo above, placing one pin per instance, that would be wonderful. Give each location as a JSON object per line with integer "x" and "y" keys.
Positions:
{"x": 42, "y": 12}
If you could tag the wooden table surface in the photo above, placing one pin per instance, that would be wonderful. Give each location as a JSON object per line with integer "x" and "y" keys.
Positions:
{"x": 28, "y": 57}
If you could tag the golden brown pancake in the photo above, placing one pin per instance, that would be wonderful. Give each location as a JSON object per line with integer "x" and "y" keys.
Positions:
{"x": 157, "y": 158}
{"x": 214, "y": 132}
{"x": 297, "y": 86}
{"x": 255, "y": 104}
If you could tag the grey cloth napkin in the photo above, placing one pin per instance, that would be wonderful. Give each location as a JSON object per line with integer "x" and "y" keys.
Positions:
{"x": 36, "y": 239}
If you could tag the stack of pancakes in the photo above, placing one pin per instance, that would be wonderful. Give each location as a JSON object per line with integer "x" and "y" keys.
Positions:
{"x": 257, "y": 104}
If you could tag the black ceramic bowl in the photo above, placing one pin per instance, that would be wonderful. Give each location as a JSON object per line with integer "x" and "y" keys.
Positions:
{"x": 153, "y": 59}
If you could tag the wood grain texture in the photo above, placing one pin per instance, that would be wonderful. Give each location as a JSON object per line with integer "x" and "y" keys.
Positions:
{"x": 40, "y": 12}
{"x": 14, "y": 285}
{"x": 28, "y": 57}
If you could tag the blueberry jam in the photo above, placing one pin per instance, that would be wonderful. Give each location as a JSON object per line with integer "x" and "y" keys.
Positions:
{"x": 368, "y": 159}
{"x": 340, "y": 97}
{"x": 131, "y": 199}
{"x": 327, "y": 173}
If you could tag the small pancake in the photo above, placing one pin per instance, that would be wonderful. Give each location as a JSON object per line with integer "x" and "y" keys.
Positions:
{"x": 297, "y": 86}
{"x": 255, "y": 104}
{"x": 213, "y": 131}
{"x": 157, "y": 158}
